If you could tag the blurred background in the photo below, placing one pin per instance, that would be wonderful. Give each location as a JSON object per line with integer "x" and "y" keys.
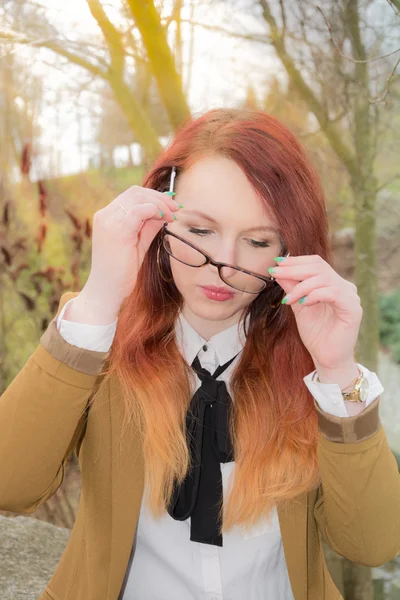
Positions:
{"x": 91, "y": 91}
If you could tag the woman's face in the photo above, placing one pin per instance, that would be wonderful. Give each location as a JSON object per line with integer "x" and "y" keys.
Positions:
{"x": 233, "y": 228}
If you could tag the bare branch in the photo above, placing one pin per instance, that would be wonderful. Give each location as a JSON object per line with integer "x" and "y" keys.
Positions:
{"x": 395, "y": 4}
{"x": 13, "y": 37}
{"x": 383, "y": 96}
{"x": 175, "y": 14}
{"x": 334, "y": 135}
{"x": 189, "y": 68}
{"x": 283, "y": 16}
{"x": 354, "y": 60}
{"x": 111, "y": 34}
{"x": 52, "y": 45}
{"x": 252, "y": 37}
{"x": 388, "y": 182}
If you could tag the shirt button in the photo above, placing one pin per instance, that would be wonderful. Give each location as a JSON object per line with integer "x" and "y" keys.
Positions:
{"x": 205, "y": 350}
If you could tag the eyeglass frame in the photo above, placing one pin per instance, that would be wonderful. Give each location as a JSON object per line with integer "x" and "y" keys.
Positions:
{"x": 210, "y": 260}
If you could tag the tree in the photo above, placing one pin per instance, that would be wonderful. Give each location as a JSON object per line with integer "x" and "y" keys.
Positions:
{"x": 112, "y": 126}
{"x": 338, "y": 92}
{"x": 21, "y": 96}
{"x": 284, "y": 102}
{"x": 139, "y": 38}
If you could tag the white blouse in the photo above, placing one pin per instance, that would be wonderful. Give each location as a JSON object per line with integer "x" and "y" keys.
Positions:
{"x": 166, "y": 564}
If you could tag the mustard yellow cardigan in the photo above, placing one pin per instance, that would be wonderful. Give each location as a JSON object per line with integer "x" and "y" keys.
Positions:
{"x": 43, "y": 420}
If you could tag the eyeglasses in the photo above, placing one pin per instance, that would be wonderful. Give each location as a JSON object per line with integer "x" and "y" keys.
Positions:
{"x": 191, "y": 255}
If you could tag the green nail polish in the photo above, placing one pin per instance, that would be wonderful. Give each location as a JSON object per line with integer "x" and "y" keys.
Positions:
{"x": 302, "y": 300}
{"x": 174, "y": 217}
{"x": 271, "y": 270}
{"x": 285, "y": 299}
{"x": 180, "y": 205}
{"x": 161, "y": 213}
{"x": 279, "y": 258}
{"x": 170, "y": 193}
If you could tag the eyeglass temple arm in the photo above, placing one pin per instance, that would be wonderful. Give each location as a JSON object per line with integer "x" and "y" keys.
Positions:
{"x": 171, "y": 183}
{"x": 172, "y": 180}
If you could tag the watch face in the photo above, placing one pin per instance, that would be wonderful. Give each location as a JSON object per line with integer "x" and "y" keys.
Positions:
{"x": 364, "y": 387}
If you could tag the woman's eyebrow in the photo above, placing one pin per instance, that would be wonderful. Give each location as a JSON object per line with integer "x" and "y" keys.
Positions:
{"x": 208, "y": 218}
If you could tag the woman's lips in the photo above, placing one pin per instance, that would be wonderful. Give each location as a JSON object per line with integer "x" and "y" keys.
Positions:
{"x": 216, "y": 293}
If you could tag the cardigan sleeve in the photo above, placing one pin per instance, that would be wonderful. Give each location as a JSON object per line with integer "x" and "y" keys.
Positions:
{"x": 330, "y": 399}
{"x": 43, "y": 418}
{"x": 357, "y": 511}
{"x": 90, "y": 337}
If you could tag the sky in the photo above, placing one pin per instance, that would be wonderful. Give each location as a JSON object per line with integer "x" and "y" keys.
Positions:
{"x": 221, "y": 71}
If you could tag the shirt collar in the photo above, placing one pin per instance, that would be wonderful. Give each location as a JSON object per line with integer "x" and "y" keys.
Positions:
{"x": 226, "y": 343}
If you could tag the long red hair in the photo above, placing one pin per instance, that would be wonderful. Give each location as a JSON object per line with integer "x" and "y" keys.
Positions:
{"x": 274, "y": 423}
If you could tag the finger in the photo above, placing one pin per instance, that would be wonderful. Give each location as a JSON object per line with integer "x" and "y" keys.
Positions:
{"x": 142, "y": 200}
{"x": 342, "y": 300}
{"x": 305, "y": 259}
{"x": 163, "y": 197}
{"x": 139, "y": 195}
{"x": 151, "y": 193}
{"x": 137, "y": 217}
{"x": 304, "y": 288}
{"x": 301, "y": 272}
{"x": 287, "y": 285}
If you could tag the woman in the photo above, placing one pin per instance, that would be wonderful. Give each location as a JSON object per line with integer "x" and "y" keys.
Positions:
{"x": 193, "y": 486}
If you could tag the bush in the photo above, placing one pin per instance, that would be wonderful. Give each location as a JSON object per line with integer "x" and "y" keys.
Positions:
{"x": 389, "y": 326}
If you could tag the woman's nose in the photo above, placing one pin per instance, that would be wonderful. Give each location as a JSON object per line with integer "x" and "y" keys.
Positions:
{"x": 225, "y": 254}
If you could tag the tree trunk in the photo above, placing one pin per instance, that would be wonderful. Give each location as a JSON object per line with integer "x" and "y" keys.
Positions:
{"x": 359, "y": 163}
{"x": 358, "y": 583}
{"x": 169, "y": 81}
{"x": 365, "y": 272}
{"x": 131, "y": 162}
{"x": 335, "y": 566}
{"x": 137, "y": 118}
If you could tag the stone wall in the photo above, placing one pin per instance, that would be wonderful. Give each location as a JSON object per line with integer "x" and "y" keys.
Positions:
{"x": 29, "y": 553}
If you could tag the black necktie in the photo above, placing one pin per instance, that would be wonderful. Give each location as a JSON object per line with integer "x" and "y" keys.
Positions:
{"x": 200, "y": 494}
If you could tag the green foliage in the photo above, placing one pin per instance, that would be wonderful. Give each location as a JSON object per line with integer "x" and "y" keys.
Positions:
{"x": 82, "y": 195}
{"x": 389, "y": 305}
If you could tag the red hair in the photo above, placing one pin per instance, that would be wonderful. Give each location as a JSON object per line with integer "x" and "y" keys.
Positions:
{"x": 274, "y": 423}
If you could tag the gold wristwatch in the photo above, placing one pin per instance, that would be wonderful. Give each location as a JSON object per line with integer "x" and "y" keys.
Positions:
{"x": 360, "y": 389}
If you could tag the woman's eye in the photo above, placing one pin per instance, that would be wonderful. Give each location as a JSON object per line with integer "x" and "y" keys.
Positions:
{"x": 199, "y": 231}
{"x": 254, "y": 243}
{"x": 257, "y": 244}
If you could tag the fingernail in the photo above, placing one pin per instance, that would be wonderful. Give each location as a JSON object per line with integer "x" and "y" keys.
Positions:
{"x": 285, "y": 299}
{"x": 161, "y": 213}
{"x": 302, "y": 300}
{"x": 180, "y": 205}
{"x": 271, "y": 270}
{"x": 279, "y": 258}
{"x": 174, "y": 217}
{"x": 170, "y": 193}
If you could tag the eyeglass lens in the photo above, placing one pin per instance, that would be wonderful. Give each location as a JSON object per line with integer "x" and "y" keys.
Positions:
{"x": 231, "y": 276}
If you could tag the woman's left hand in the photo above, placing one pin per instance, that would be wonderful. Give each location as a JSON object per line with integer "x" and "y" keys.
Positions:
{"x": 329, "y": 319}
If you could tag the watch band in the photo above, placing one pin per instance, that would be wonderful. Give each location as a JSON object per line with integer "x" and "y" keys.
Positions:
{"x": 354, "y": 382}
{"x": 352, "y": 395}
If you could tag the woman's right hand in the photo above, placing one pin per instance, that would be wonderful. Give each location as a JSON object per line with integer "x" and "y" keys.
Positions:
{"x": 120, "y": 242}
